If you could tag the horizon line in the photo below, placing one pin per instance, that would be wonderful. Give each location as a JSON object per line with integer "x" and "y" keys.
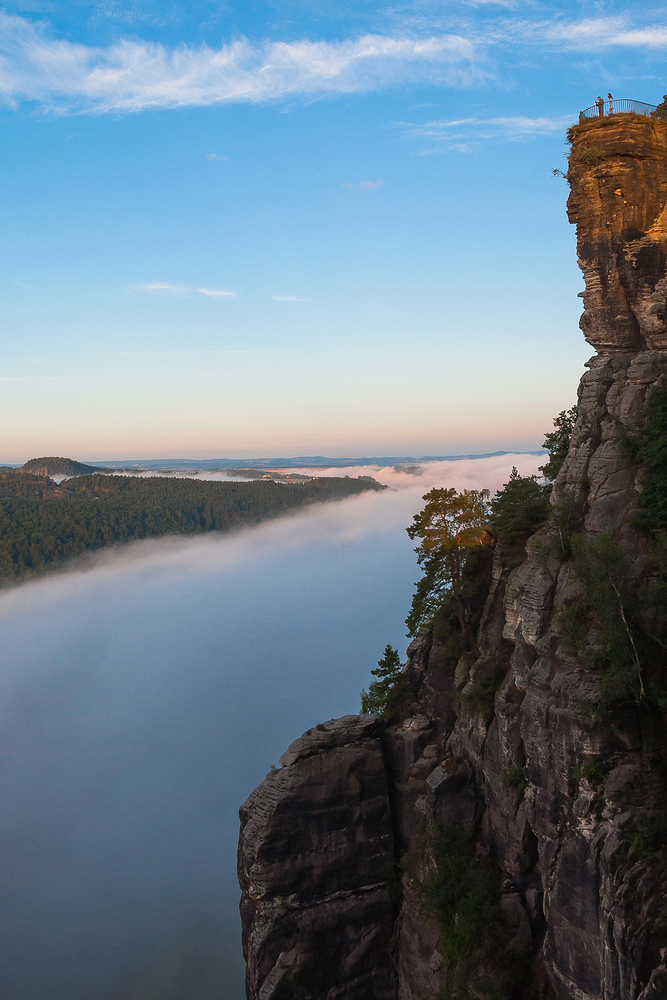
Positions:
{"x": 280, "y": 462}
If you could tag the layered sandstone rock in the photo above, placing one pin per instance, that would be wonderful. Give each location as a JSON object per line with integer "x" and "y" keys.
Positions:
{"x": 618, "y": 176}
{"x": 315, "y": 852}
{"x": 582, "y": 916}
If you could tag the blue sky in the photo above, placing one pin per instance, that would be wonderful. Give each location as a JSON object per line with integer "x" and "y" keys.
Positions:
{"x": 295, "y": 228}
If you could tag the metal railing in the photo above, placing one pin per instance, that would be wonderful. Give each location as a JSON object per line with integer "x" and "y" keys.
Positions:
{"x": 623, "y": 107}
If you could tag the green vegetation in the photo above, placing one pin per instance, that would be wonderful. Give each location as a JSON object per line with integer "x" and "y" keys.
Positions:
{"x": 450, "y": 526}
{"x": 42, "y": 524}
{"x": 557, "y": 443}
{"x": 661, "y": 109}
{"x": 391, "y": 695}
{"x": 590, "y": 770}
{"x": 58, "y": 466}
{"x": 593, "y": 155}
{"x": 620, "y": 650}
{"x": 570, "y": 625}
{"x": 487, "y": 676}
{"x": 645, "y": 842}
{"x": 600, "y": 566}
{"x": 648, "y": 837}
{"x": 565, "y": 520}
{"x": 515, "y": 778}
{"x": 453, "y": 527}
{"x": 517, "y": 512}
{"x": 603, "y": 122}
{"x": 459, "y": 891}
{"x": 651, "y": 449}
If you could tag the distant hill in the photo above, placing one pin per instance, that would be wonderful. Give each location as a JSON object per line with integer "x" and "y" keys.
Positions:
{"x": 58, "y": 467}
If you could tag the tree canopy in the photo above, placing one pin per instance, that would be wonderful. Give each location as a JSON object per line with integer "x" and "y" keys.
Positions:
{"x": 557, "y": 443}
{"x": 42, "y": 524}
{"x": 450, "y": 526}
{"x": 518, "y": 510}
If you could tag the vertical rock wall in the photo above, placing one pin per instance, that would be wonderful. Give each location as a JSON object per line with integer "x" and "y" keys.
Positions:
{"x": 315, "y": 852}
{"x": 581, "y": 916}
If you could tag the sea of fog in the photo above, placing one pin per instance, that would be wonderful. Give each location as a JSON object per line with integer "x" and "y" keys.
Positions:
{"x": 144, "y": 694}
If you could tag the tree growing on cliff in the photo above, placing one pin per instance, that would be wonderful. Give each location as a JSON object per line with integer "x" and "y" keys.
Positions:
{"x": 557, "y": 443}
{"x": 378, "y": 699}
{"x": 518, "y": 510}
{"x": 650, "y": 447}
{"x": 450, "y": 526}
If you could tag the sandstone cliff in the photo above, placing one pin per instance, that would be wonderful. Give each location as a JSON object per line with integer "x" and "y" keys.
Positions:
{"x": 563, "y": 805}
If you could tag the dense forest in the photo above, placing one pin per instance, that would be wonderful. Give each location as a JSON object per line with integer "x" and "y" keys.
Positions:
{"x": 43, "y": 524}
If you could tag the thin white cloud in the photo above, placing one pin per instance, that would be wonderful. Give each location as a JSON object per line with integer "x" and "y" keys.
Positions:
{"x": 366, "y": 185}
{"x": 130, "y": 75}
{"x": 286, "y": 298}
{"x": 217, "y": 293}
{"x": 160, "y": 287}
{"x": 217, "y": 156}
{"x": 464, "y": 134}
{"x": 591, "y": 34}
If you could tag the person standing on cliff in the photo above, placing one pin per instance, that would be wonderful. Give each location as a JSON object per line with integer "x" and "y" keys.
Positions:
{"x": 600, "y": 104}
{"x": 611, "y": 104}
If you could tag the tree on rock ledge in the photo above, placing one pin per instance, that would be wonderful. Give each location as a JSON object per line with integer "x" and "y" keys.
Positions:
{"x": 450, "y": 526}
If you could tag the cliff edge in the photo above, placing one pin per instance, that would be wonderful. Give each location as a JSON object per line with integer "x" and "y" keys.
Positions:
{"x": 517, "y": 788}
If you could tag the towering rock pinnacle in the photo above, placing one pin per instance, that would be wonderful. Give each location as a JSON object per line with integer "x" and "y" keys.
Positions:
{"x": 564, "y": 804}
{"x": 618, "y": 176}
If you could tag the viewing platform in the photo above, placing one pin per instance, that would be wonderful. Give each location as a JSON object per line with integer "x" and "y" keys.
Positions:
{"x": 603, "y": 109}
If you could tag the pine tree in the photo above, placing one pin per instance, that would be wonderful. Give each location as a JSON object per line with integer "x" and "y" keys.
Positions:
{"x": 389, "y": 672}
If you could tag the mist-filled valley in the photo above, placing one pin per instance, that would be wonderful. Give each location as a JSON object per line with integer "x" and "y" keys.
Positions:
{"x": 145, "y": 693}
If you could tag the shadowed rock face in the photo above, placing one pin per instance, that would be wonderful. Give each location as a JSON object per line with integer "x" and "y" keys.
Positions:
{"x": 582, "y": 917}
{"x": 315, "y": 851}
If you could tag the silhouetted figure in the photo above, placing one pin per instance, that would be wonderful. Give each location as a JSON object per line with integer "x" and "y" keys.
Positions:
{"x": 600, "y": 104}
{"x": 611, "y": 104}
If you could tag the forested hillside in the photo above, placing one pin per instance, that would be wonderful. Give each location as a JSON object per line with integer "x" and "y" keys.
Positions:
{"x": 42, "y": 524}
{"x": 58, "y": 466}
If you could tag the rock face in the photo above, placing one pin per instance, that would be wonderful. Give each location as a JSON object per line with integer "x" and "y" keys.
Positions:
{"x": 583, "y": 911}
{"x": 315, "y": 851}
{"x": 619, "y": 204}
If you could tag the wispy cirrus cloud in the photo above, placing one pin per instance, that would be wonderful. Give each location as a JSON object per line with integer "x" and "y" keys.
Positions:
{"x": 163, "y": 288}
{"x": 217, "y": 293}
{"x": 464, "y": 134}
{"x": 130, "y": 75}
{"x": 591, "y": 34}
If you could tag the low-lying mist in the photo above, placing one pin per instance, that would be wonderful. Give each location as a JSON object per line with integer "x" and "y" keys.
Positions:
{"x": 143, "y": 695}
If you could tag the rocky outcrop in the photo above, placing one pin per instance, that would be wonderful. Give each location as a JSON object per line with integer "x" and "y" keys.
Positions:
{"x": 315, "y": 854}
{"x": 576, "y": 846}
{"x": 618, "y": 175}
